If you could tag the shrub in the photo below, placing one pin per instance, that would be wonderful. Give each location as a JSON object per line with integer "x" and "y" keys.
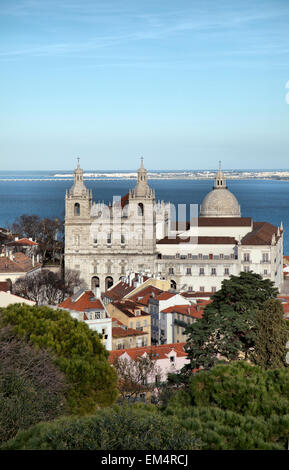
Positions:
{"x": 31, "y": 386}
{"x": 242, "y": 388}
{"x": 117, "y": 428}
{"x": 218, "y": 429}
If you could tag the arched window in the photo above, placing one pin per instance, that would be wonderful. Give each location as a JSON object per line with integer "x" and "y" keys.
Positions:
{"x": 76, "y": 208}
{"x": 108, "y": 282}
{"x": 140, "y": 209}
{"x": 173, "y": 284}
{"x": 94, "y": 282}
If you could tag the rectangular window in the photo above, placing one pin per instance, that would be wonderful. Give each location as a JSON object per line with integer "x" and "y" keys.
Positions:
{"x": 265, "y": 257}
{"x": 246, "y": 257}
{"x": 214, "y": 289}
{"x": 213, "y": 272}
{"x": 109, "y": 238}
{"x": 189, "y": 271}
{"x": 171, "y": 270}
{"x": 227, "y": 271}
{"x": 202, "y": 271}
{"x": 202, "y": 289}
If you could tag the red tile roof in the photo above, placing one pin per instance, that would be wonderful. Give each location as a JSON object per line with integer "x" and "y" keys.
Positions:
{"x": 19, "y": 263}
{"x": 85, "y": 301}
{"x": 118, "y": 291}
{"x": 198, "y": 240}
{"x": 119, "y": 330}
{"x": 157, "y": 352}
{"x": 224, "y": 221}
{"x": 188, "y": 310}
{"x": 22, "y": 242}
{"x": 165, "y": 295}
{"x": 143, "y": 293}
{"x": 129, "y": 307}
{"x": 197, "y": 294}
{"x": 261, "y": 234}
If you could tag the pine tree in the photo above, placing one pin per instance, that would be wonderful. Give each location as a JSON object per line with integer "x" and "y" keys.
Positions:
{"x": 227, "y": 329}
{"x": 272, "y": 335}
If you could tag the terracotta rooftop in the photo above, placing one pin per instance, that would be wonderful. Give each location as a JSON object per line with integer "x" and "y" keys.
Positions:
{"x": 19, "y": 263}
{"x": 165, "y": 295}
{"x": 197, "y": 294}
{"x": 118, "y": 291}
{"x": 157, "y": 352}
{"x": 261, "y": 234}
{"x": 224, "y": 222}
{"x": 144, "y": 293}
{"x": 82, "y": 301}
{"x": 129, "y": 307}
{"x": 188, "y": 310}
{"x": 119, "y": 330}
{"x": 22, "y": 242}
{"x": 198, "y": 240}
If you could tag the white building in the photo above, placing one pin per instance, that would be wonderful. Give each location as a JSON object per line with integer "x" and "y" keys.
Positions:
{"x": 134, "y": 234}
{"x": 83, "y": 306}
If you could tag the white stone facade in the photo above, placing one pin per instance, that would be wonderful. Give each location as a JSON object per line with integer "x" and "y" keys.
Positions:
{"x": 133, "y": 235}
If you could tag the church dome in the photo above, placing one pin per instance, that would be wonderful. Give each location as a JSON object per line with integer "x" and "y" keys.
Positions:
{"x": 220, "y": 202}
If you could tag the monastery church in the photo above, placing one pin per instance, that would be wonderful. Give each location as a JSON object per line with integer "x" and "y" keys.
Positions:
{"x": 135, "y": 234}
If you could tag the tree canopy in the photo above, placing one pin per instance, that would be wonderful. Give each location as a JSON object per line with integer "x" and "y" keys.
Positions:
{"x": 78, "y": 352}
{"x": 228, "y": 327}
{"x": 124, "y": 428}
{"x": 32, "y": 387}
{"x": 272, "y": 335}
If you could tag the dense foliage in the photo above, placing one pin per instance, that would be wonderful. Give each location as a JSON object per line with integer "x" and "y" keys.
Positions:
{"x": 31, "y": 387}
{"x": 78, "y": 352}
{"x": 126, "y": 428}
{"x": 242, "y": 388}
{"x": 235, "y": 406}
{"x": 272, "y": 335}
{"x": 228, "y": 326}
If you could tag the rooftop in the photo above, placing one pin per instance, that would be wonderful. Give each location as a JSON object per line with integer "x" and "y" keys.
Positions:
{"x": 82, "y": 301}
{"x": 163, "y": 351}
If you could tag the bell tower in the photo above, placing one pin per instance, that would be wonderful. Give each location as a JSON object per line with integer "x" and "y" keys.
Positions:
{"x": 78, "y": 203}
{"x": 143, "y": 212}
{"x": 78, "y": 200}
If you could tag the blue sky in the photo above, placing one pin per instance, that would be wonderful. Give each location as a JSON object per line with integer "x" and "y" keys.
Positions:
{"x": 184, "y": 83}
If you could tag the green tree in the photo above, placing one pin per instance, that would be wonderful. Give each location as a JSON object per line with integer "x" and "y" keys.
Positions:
{"x": 235, "y": 406}
{"x": 117, "y": 428}
{"x": 272, "y": 335}
{"x": 78, "y": 352}
{"x": 228, "y": 327}
{"x": 32, "y": 387}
